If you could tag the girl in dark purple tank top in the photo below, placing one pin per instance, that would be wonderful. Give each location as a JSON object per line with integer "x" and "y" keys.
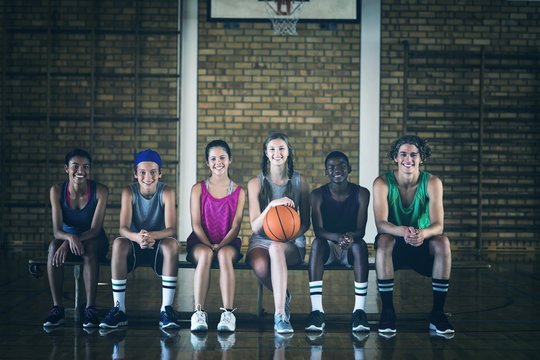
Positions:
{"x": 78, "y": 209}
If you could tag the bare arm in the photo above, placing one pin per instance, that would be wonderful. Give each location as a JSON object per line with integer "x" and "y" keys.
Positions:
{"x": 169, "y": 204}
{"x": 380, "y": 210}
{"x": 361, "y": 218}
{"x": 305, "y": 206}
{"x": 436, "y": 209}
{"x": 195, "y": 208}
{"x": 102, "y": 194}
{"x": 316, "y": 218}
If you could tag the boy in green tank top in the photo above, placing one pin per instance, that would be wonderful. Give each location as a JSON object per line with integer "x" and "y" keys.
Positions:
{"x": 409, "y": 216}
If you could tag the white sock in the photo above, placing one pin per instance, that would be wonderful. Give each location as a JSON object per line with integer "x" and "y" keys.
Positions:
{"x": 315, "y": 293}
{"x": 168, "y": 289}
{"x": 360, "y": 292}
{"x": 119, "y": 293}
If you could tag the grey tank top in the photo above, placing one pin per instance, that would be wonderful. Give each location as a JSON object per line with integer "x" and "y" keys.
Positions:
{"x": 147, "y": 214}
{"x": 278, "y": 191}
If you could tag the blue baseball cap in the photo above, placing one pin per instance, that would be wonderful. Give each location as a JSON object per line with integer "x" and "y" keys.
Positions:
{"x": 147, "y": 155}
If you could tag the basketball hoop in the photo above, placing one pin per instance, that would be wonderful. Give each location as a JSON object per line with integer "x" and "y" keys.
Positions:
{"x": 284, "y": 15}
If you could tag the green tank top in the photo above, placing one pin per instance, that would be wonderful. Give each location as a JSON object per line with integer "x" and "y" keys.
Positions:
{"x": 417, "y": 213}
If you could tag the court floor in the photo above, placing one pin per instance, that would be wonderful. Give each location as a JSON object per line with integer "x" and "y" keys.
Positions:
{"x": 495, "y": 312}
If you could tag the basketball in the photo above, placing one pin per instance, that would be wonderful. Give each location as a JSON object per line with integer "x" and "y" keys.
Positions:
{"x": 281, "y": 223}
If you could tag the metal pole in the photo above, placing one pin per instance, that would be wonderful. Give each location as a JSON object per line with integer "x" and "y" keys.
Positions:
{"x": 480, "y": 159}
{"x": 405, "y": 85}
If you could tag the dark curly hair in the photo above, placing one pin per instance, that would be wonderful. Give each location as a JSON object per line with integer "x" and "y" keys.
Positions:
{"x": 77, "y": 152}
{"x": 421, "y": 144}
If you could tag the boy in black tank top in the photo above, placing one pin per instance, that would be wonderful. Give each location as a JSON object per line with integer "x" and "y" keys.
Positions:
{"x": 339, "y": 216}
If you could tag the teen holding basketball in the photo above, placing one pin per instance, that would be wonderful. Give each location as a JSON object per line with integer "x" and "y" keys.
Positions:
{"x": 409, "y": 215}
{"x": 277, "y": 184}
{"x": 147, "y": 227}
{"x": 339, "y": 216}
{"x": 78, "y": 209}
{"x": 218, "y": 197}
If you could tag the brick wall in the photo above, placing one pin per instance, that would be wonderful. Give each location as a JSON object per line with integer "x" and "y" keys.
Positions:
{"x": 252, "y": 82}
{"x": 494, "y": 162}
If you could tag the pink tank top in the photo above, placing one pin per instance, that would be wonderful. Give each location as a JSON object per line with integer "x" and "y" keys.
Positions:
{"x": 217, "y": 215}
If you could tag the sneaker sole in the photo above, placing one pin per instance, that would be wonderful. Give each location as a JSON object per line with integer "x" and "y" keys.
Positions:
{"x": 90, "y": 325}
{"x": 225, "y": 328}
{"x": 387, "y": 331}
{"x": 170, "y": 325}
{"x": 315, "y": 328}
{"x": 107, "y": 326}
{"x": 50, "y": 324}
{"x": 361, "y": 328}
{"x": 199, "y": 329}
{"x": 284, "y": 331}
{"x": 434, "y": 328}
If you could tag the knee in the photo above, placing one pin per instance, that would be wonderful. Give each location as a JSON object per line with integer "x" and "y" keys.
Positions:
{"x": 276, "y": 248}
{"x": 169, "y": 247}
{"x": 202, "y": 254}
{"x": 226, "y": 254}
{"x": 121, "y": 246}
{"x": 441, "y": 246}
{"x": 260, "y": 267}
{"x": 360, "y": 248}
{"x": 385, "y": 243}
{"x": 316, "y": 246}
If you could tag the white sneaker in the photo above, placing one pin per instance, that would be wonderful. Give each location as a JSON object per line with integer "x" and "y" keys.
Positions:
{"x": 198, "y": 320}
{"x": 228, "y": 321}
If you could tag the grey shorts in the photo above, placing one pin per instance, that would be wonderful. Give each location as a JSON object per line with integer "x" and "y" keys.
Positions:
{"x": 261, "y": 241}
{"x": 337, "y": 256}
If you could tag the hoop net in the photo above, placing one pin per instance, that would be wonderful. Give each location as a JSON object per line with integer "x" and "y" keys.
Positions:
{"x": 284, "y": 15}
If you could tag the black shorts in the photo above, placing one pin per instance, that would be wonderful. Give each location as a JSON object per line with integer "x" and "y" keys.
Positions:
{"x": 102, "y": 249}
{"x": 194, "y": 240}
{"x": 417, "y": 258}
{"x": 140, "y": 256}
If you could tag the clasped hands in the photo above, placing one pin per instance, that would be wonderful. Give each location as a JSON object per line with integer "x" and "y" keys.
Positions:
{"x": 413, "y": 236}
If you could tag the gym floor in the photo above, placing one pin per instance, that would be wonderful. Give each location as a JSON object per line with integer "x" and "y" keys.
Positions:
{"x": 495, "y": 312}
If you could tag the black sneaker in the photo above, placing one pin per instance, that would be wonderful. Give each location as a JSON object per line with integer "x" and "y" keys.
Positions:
{"x": 90, "y": 317}
{"x": 167, "y": 318}
{"x": 55, "y": 316}
{"x": 315, "y": 321}
{"x": 114, "y": 319}
{"x": 440, "y": 324}
{"x": 387, "y": 323}
{"x": 359, "y": 321}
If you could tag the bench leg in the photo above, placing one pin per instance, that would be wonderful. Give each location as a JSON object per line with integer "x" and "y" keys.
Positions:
{"x": 260, "y": 310}
{"x": 76, "y": 306}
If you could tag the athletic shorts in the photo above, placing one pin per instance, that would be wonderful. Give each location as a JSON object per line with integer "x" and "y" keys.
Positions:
{"x": 102, "y": 249}
{"x": 337, "y": 256}
{"x": 417, "y": 258}
{"x": 262, "y": 242}
{"x": 153, "y": 257}
{"x": 193, "y": 240}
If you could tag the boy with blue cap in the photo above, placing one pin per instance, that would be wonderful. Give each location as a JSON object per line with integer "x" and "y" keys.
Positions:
{"x": 147, "y": 228}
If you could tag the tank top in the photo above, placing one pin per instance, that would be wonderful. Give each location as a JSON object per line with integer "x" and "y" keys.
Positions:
{"x": 77, "y": 221}
{"x": 340, "y": 216}
{"x": 417, "y": 213}
{"x": 147, "y": 214}
{"x": 278, "y": 191}
{"x": 217, "y": 215}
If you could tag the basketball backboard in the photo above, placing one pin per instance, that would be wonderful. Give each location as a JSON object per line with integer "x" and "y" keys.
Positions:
{"x": 312, "y": 10}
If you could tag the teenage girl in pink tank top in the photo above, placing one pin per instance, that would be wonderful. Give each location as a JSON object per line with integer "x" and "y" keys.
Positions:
{"x": 217, "y": 206}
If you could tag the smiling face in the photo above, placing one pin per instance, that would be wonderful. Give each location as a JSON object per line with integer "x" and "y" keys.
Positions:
{"x": 218, "y": 161}
{"x": 337, "y": 169}
{"x": 277, "y": 152}
{"x": 147, "y": 175}
{"x": 78, "y": 169}
{"x": 408, "y": 158}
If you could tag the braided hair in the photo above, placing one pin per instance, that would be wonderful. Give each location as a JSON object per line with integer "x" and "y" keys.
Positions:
{"x": 265, "y": 196}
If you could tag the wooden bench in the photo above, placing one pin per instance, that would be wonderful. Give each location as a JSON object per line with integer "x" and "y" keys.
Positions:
{"x": 35, "y": 269}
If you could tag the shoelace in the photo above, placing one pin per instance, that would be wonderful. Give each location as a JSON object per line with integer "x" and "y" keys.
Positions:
{"x": 227, "y": 315}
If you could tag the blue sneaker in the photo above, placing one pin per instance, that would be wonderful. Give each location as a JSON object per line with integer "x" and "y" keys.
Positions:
{"x": 55, "y": 317}
{"x": 282, "y": 324}
{"x": 114, "y": 319}
{"x": 167, "y": 319}
{"x": 288, "y": 298}
{"x": 90, "y": 318}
